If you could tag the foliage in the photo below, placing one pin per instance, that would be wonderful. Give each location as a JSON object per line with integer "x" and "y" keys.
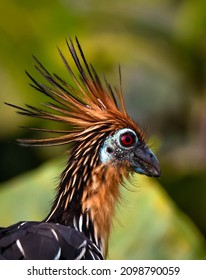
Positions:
{"x": 148, "y": 225}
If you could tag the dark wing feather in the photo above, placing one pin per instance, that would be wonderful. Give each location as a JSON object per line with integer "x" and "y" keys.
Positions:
{"x": 45, "y": 241}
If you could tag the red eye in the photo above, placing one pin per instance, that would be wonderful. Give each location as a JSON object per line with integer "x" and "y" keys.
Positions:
{"x": 127, "y": 139}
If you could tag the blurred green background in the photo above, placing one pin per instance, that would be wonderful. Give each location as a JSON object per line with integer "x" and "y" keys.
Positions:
{"x": 161, "y": 46}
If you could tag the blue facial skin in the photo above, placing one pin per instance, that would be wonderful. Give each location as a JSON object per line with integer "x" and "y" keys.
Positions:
{"x": 112, "y": 149}
{"x": 104, "y": 155}
{"x": 142, "y": 160}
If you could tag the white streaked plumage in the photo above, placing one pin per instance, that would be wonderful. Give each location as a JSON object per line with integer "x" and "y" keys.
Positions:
{"x": 80, "y": 222}
{"x": 58, "y": 254}
{"x": 55, "y": 234}
{"x": 18, "y": 243}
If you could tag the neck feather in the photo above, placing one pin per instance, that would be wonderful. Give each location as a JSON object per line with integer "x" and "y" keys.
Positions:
{"x": 86, "y": 198}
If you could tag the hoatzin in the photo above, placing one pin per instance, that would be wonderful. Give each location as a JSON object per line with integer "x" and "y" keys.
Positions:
{"x": 106, "y": 146}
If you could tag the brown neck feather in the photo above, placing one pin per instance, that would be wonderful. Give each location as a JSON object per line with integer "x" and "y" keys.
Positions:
{"x": 86, "y": 199}
{"x": 99, "y": 198}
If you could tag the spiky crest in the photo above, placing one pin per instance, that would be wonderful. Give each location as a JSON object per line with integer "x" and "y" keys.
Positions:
{"x": 87, "y": 108}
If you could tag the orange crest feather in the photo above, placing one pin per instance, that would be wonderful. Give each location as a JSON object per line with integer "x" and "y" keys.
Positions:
{"x": 88, "y": 107}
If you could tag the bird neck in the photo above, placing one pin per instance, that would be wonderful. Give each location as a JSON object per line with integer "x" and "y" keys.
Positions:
{"x": 86, "y": 199}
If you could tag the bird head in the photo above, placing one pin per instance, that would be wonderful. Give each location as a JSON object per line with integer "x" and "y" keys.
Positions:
{"x": 127, "y": 147}
{"x": 100, "y": 129}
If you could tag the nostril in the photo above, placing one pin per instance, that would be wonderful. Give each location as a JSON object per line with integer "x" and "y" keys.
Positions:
{"x": 151, "y": 155}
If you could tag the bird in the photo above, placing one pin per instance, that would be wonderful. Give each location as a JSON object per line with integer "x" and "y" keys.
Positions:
{"x": 105, "y": 147}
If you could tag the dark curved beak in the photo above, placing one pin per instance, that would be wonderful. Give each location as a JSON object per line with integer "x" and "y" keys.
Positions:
{"x": 145, "y": 162}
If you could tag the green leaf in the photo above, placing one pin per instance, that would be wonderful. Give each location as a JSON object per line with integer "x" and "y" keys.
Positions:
{"x": 152, "y": 227}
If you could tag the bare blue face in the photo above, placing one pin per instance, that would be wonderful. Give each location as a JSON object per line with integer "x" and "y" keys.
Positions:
{"x": 125, "y": 145}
